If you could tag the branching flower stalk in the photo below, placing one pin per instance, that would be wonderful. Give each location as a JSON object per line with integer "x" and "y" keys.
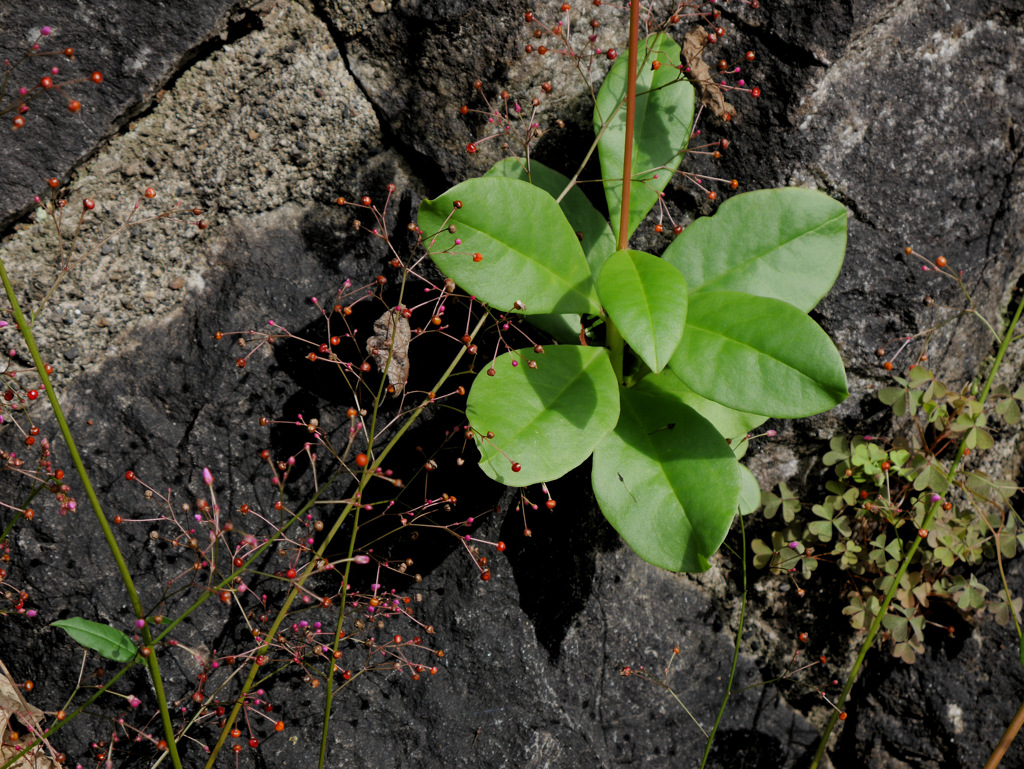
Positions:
{"x": 122, "y": 567}
{"x": 936, "y": 505}
{"x": 354, "y": 503}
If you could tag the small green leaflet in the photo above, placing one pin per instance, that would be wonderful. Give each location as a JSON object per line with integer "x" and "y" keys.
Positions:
{"x": 103, "y": 639}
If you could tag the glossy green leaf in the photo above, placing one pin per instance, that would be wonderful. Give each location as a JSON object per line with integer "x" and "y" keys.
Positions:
{"x": 103, "y": 639}
{"x": 1020, "y": 653}
{"x": 671, "y": 492}
{"x": 785, "y": 244}
{"x": 530, "y": 252}
{"x": 758, "y": 354}
{"x": 729, "y": 422}
{"x": 646, "y": 299}
{"x": 547, "y": 419}
{"x": 664, "y": 116}
{"x": 598, "y": 240}
{"x": 562, "y": 328}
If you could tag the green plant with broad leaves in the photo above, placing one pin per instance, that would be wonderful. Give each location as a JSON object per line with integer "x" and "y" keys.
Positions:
{"x": 701, "y": 344}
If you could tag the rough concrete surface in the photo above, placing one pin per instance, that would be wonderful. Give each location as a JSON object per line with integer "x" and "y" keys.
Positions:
{"x": 260, "y": 115}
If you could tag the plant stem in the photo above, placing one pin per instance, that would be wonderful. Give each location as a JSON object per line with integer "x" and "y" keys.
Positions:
{"x": 613, "y": 339}
{"x": 1006, "y": 740}
{"x": 627, "y": 150}
{"x": 876, "y": 624}
{"x": 736, "y": 647}
{"x": 108, "y": 534}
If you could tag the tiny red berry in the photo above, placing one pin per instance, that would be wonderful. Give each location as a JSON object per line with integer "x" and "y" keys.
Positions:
{"x": 129, "y": 476}
{"x": 887, "y": 365}
{"x": 97, "y": 77}
{"x": 150, "y": 192}
{"x": 290, "y": 574}
{"x": 501, "y": 547}
{"x": 46, "y": 82}
{"x": 279, "y": 726}
{"x": 32, "y": 395}
{"x": 253, "y": 742}
{"x": 612, "y": 54}
{"x": 471, "y": 148}
{"x": 551, "y": 504}
{"x": 941, "y": 262}
{"x": 516, "y": 467}
{"x": 485, "y": 575}
{"x": 678, "y": 229}
{"x": 54, "y": 182}
{"x": 803, "y": 638}
{"x": 362, "y": 460}
{"x": 88, "y": 204}
{"x": 74, "y": 105}
{"x": 755, "y": 92}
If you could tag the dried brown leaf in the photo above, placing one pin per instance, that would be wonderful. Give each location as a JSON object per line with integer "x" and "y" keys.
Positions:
{"x": 13, "y": 704}
{"x": 700, "y": 73}
{"x": 389, "y": 347}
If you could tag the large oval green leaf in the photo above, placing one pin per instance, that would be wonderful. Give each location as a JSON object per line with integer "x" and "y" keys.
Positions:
{"x": 759, "y": 355}
{"x": 103, "y": 639}
{"x": 598, "y": 240}
{"x": 530, "y": 252}
{"x": 785, "y": 244}
{"x": 664, "y": 116}
{"x": 729, "y": 422}
{"x": 546, "y": 419}
{"x": 646, "y": 299}
{"x": 671, "y": 492}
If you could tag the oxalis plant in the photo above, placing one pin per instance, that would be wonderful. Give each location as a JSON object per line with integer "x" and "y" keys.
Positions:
{"x": 699, "y": 346}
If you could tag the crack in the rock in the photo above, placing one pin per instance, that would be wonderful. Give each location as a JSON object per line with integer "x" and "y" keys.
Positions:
{"x": 241, "y": 21}
{"x": 778, "y": 47}
{"x": 238, "y": 22}
{"x": 422, "y": 166}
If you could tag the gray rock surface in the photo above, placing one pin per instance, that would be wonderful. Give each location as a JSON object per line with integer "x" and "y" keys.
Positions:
{"x": 260, "y": 116}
